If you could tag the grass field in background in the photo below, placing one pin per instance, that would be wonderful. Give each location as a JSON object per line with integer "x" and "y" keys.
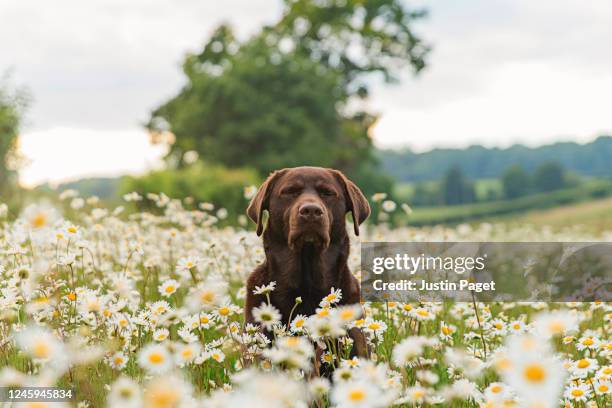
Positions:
{"x": 589, "y": 191}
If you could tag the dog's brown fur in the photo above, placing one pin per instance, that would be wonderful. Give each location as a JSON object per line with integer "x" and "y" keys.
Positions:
{"x": 305, "y": 242}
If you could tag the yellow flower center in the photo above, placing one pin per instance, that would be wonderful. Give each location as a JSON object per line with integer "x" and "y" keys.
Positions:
{"x": 534, "y": 373}
{"x": 556, "y": 327}
{"x": 72, "y": 230}
{"x": 170, "y": 289}
{"x": 602, "y": 388}
{"x": 204, "y": 319}
{"x": 299, "y": 323}
{"x": 588, "y": 341}
{"x": 118, "y": 360}
{"x": 346, "y": 314}
{"x": 207, "y": 296}
{"x": 292, "y": 341}
{"x": 374, "y": 326}
{"x": 584, "y": 363}
{"x": 224, "y": 311}
{"x": 156, "y": 358}
{"x": 499, "y": 326}
{"x": 163, "y": 399}
{"x": 496, "y": 389}
{"x": 187, "y": 353}
{"x": 356, "y": 395}
{"x": 423, "y": 313}
{"x": 40, "y": 220}
{"x": 416, "y": 394}
{"x": 577, "y": 392}
{"x": 41, "y": 349}
{"x": 407, "y": 308}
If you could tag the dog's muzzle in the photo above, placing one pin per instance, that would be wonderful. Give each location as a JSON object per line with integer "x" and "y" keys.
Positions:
{"x": 310, "y": 224}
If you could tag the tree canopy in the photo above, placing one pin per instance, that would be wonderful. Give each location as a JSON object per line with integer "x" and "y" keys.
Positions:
{"x": 12, "y": 104}
{"x": 284, "y": 96}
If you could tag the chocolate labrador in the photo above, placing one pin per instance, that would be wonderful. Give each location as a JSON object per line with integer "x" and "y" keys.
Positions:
{"x": 305, "y": 241}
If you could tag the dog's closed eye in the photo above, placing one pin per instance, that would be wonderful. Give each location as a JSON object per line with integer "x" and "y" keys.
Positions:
{"x": 327, "y": 192}
{"x": 291, "y": 191}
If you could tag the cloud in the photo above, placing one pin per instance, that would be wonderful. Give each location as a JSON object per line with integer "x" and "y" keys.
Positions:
{"x": 105, "y": 64}
{"x": 504, "y": 71}
{"x": 501, "y": 71}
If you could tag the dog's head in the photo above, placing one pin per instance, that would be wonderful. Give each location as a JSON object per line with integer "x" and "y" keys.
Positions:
{"x": 308, "y": 205}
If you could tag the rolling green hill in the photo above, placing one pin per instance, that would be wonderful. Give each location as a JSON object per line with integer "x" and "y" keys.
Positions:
{"x": 478, "y": 162}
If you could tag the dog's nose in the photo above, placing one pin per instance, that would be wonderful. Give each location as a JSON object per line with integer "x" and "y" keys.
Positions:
{"x": 310, "y": 211}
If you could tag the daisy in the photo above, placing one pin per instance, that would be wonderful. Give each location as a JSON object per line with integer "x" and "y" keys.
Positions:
{"x": 375, "y": 327}
{"x": 357, "y": 394}
{"x": 497, "y": 391}
{"x": 265, "y": 289}
{"x": 186, "y": 353}
{"x": 328, "y": 357}
{"x": 408, "y": 349}
{"x": 422, "y": 314}
{"x": 318, "y": 387}
{"x": 39, "y": 216}
{"x": 588, "y": 342}
{"x": 348, "y": 314}
{"x": 40, "y": 344}
{"x": 534, "y": 373}
{"x": 577, "y": 392}
{"x": 602, "y": 387}
{"x": 216, "y": 355}
{"x": 125, "y": 393}
{"x": 556, "y": 323}
{"x": 267, "y": 315}
{"x": 160, "y": 307}
{"x": 334, "y": 297}
{"x": 207, "y": 295}
{"x": 204, "y": 321}
{"x": 250, "y": 191}
{"x": 447, "y": 331}
{"x": 118, "y": 361}
{"x": 583, "y": 367}
{"x": 517, "y": 327}
{"x": 160, "y": 335}
{"x": 168, "y": 288}
{"x": 187, "y": 263}
{"x": 297, "y": 324}
{"x": 155, "y": 358}
{"x": 167, "y": 392}
{"x": 416, "y": 394}
{"x": 389, "y": 206}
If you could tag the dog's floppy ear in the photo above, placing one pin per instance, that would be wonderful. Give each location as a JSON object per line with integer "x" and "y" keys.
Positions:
{"x": 356, "y": 202}
{"x": 260, "y": 202}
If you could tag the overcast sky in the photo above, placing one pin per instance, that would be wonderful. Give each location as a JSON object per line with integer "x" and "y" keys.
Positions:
{"x": 501, "y": 71}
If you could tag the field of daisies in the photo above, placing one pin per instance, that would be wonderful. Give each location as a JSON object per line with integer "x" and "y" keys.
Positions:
{"x": 144, "y": 309}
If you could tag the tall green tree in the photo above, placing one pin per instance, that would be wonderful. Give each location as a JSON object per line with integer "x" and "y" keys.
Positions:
{"x": 549, "y": 176}
{"x": 456, "y": 189}
{"x": 516, "y": 182}
{"x": 283, "y": 97}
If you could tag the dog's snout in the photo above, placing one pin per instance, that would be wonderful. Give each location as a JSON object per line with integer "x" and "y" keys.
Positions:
{"x": 310, "y": 211}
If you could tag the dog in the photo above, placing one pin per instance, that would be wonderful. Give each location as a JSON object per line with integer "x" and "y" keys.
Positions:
{"x": 306, "y": 243}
